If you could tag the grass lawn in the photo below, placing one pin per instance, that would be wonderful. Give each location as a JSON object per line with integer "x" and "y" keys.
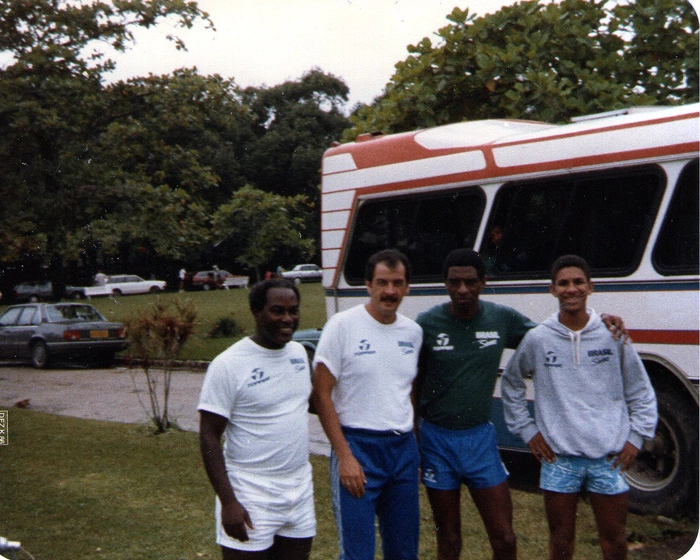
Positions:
{"x": 212, "y": 306}
{"x": 82, "y": 489}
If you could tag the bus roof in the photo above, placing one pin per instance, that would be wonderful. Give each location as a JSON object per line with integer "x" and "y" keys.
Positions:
{"x": 477, "y": 150}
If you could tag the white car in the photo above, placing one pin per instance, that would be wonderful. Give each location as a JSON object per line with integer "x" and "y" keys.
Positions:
{"x": 304, "y": 273}
{"x": 126, "y": 284}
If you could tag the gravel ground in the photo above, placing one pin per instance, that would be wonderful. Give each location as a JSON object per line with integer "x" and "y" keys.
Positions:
{"x": 117, "y": 394}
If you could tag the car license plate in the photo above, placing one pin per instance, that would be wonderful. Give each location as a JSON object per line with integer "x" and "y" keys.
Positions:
{"x": 99, "y": 334}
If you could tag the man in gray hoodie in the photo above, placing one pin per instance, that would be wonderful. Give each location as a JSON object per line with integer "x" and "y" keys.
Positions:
{"x": 594, "y": 406}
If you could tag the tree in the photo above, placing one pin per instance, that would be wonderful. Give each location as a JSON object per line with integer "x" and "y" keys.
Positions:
{"x": 295, "y": 122}
{"x": 263, "y": 229}
{"x": 539, "y": 61}
{"x": 52, "y": 110}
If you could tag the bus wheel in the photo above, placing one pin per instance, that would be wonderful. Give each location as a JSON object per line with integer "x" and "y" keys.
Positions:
{"x": 662, "y": 478}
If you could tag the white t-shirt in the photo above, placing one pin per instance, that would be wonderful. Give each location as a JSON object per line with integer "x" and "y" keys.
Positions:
{"x": 374, "y": 366}
{"x": 265, "y": 396}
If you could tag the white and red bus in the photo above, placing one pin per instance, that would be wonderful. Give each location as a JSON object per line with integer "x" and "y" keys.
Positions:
{"x": 619, "y": 189}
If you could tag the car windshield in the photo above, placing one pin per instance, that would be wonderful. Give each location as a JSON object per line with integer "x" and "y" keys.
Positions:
{"x": 72, "y": 313}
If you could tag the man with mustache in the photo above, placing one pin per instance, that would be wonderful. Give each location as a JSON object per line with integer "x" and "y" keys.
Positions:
{"x": 366, "y": 362}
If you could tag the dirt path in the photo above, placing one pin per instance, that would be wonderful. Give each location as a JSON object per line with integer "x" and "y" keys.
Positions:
{"x": 117, "y": 394}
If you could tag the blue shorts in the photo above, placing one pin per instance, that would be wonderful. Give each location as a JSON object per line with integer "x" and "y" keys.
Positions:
{"x": 452, "y": 457}
{"x": 390, "y": 463}
{"x": 570, "y": 475}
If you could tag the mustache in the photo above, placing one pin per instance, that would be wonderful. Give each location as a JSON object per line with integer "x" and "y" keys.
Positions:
{"x": 391, "y": 299}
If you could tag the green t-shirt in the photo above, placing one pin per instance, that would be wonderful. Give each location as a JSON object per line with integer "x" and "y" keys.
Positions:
{"x": 460, "y": 361}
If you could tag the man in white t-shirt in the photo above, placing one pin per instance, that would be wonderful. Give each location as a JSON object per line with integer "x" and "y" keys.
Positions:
{"x": 366, "y": 361}
{"x": 255, "y": 395}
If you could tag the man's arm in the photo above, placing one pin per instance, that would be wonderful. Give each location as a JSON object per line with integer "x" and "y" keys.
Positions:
{"x": 234, "y": 516}
{"x": 352, "y": 477}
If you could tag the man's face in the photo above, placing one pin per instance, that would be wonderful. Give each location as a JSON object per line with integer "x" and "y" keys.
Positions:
{"x": 464, "y": 287}
{"x": 276, "y": 322}
{"x": 571, "y": 288}
{"x": 386, "y": 290}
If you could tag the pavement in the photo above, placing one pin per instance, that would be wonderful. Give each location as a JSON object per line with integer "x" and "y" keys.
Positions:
{"x": 117, "y": 394}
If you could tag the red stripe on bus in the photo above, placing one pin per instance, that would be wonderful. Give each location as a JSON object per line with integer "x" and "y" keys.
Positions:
{"x": 665, "y": 337}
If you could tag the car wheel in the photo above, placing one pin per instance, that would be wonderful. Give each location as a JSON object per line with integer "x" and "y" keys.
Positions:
{"x": 297, "y": 280}
{"x": 205, "y": 287}
{"x": 117, "y": 292}
{"x": 33, "y": 298}
{"x": 78, "y": 296}
{"x": 154, "y": 289}
{"x": 40, "y": 355}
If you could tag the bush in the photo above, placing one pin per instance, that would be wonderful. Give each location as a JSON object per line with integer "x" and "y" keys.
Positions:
{"x": 225, "y": 327}
{"x": 159, "y": 332}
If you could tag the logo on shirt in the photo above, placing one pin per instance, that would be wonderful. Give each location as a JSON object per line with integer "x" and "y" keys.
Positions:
{"x": 442, "y": 343}
{"x": 487, "y": 338}
{"x": 551, "y": 360}
{"x": 258, "y": 376}
{"x": 364, "y": 348}
{"x": 600, "y": 356}
{"x": 298, "y": 363}
{"x": 406, "y": 347}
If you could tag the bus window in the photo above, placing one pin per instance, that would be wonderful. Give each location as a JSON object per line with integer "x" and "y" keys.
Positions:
{"x": 677, "y": 249}
{"x": 604, "y": 217}
{"x": 424, "y": 228}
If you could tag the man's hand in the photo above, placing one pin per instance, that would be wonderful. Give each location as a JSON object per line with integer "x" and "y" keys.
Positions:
{"x": 626, "y": 457}
{"x": 540, "y": 448}
{"x": 235, "y": 519}
{"x": 616, "y": 326}
{"x": 352, "y": 477}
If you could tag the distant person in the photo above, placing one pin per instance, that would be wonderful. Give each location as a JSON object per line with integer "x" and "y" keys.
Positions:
{"x": 256, "y": 394}
{"x": 366, "y": 362}
{"x": 182, "y": 275}
{"x": 100, "y": 278}
{"x": 594, "y": 407}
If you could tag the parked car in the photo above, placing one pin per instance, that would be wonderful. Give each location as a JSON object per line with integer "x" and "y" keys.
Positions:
{"x": 125, "y": 284}
{"x": 42, "y": 290}
{"x": 40, "y": 332}
{"x": 215, "y": 279}
{"x": 304, "y": 273}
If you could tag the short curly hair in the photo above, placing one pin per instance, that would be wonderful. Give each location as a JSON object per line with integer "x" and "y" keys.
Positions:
{"x": 257, "y": 297}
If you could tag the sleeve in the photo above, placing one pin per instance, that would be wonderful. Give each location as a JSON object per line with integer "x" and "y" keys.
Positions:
{"x": 519, "y": 326}
{"x": 329, "y": 349}
{"x": 218, "y": 394}
{"x": 639, "y": 396}
{"x": 513, "y": 393}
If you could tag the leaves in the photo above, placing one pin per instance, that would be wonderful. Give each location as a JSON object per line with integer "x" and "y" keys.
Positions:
{"x": 541, "y": 61}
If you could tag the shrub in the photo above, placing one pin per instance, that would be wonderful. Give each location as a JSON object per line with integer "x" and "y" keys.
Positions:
{"x": 225, "y": 327}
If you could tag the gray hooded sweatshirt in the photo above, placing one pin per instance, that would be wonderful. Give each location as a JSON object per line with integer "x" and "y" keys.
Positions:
{"x": 592, "y": 393}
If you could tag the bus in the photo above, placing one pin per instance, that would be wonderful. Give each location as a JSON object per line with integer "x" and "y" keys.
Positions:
{"x": 618, "y": 188}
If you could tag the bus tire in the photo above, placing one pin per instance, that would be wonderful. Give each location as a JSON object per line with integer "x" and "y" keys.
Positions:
{"x": 663, "y": 479}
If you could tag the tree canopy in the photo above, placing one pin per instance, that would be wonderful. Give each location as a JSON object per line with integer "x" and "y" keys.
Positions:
{"x": 542, "y": 61}
{"x": 132, "y": 173}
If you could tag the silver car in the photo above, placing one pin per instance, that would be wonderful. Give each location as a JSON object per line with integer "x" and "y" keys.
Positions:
{"x": 304, "y": 273}
{"x": 43, "y": 332}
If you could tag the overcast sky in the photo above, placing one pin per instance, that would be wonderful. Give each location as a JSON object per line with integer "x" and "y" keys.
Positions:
{"x": 268, "y": 42}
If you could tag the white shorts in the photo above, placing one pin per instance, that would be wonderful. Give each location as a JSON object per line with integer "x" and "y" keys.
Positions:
{"x": 278, "y": 505}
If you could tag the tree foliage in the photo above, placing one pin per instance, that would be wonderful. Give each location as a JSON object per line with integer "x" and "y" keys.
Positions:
{"x": 263, "y": 228}
{"x": 542, "y": 61}
{"x": 294, "y": 123}
{"x": 132, "y": 173}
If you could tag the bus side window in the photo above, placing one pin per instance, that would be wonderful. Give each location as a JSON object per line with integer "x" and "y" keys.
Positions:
{"x": 424, "y": 227}
{"x": 677, "y": 249}
{"x": 604, "y": 217}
